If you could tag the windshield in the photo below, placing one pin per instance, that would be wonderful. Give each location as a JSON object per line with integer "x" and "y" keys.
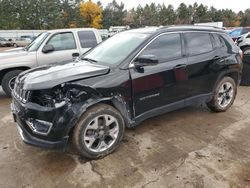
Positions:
{"x": 34, "y": 45}
{"x": 115, "y": 49}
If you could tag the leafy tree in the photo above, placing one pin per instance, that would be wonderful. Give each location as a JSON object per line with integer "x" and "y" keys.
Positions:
{"x": 114, "y": 14}
{"x": 201, "y": 14}
{"x": 7, "y": 15}
{"x": 51, "y": 14}
{"x": 129, "y": 18}
{"x": 91, "y": 13}
{"x": 183, "y": 14}
{"x": 167, "y": 15}
{"x": 245, "y": 18}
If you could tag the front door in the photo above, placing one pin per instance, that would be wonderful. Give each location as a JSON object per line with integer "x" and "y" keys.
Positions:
{"x": 65, "y": 47}
{"x": 164, "y": 83}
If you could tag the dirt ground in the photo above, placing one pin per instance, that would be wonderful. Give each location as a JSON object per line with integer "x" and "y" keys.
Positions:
{"x": 192, "y": 147}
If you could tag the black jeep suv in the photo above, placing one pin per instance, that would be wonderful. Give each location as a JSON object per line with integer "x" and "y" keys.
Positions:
{"x": 128, "y": 78}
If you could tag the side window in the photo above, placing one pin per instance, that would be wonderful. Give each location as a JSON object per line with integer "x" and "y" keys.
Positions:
{"x": 63, "y": 41}
{"x": 216, "y": 41}
{"x": 87, "y": 39}
{"x": 165, "y": 47}
{"x": 198, "y": 43}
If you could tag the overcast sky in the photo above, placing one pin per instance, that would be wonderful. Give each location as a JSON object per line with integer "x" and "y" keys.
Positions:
{"x": 219, "y": 4}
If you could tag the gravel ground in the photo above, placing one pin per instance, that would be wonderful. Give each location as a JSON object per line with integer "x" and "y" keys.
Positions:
{"x": 192, "y": 147}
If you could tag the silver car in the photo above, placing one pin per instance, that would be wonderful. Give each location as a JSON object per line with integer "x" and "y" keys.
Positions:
{"x": 4, "y": 42}
{"x": 21, "y": 42}
{"x": 244, "y": 43}
{"x": 55, "y": 46}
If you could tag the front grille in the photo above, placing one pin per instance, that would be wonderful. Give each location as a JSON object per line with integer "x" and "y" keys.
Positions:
{"x": 19, "y": 93}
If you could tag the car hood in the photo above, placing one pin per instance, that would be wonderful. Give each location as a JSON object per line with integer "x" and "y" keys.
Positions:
{"x": 49, "y": 76}
{"x": 12, "y": 53}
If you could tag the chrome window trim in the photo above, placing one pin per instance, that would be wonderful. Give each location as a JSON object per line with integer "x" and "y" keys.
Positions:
{"x": 131, "y": 63}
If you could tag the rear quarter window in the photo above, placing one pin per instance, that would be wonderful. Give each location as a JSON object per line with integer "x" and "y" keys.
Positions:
{"x": 216, "y": 41}
{"x": 87, "y": 39}
{"x": 228, "y": 42}
{"x": 198, "y": 43}
{"x": 226, "y": 39}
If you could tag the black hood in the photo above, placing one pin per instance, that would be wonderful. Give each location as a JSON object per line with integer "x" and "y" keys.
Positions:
{"x": 49, "y": 76}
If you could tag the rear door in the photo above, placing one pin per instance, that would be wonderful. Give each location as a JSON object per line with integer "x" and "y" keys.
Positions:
{"x": 65, "y": 47}
{"x": 201, "y": 58}
{"x": 162, "y": 84}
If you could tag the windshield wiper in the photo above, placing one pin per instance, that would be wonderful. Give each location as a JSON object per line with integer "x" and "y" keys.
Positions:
{"x": 89, "y": 60}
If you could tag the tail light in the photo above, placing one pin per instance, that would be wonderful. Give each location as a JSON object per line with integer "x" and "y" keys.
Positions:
{"x": 241, "y": 54}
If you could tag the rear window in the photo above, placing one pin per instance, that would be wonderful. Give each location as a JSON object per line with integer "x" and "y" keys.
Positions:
{"x": 198, "y": 43}
{"x": 87, "y": 39}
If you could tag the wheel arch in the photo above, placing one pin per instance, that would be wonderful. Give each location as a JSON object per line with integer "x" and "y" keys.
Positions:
{"x": 244, "y": 46}
{"x": 4, "y": 71}
{"x": 234, "y": 74}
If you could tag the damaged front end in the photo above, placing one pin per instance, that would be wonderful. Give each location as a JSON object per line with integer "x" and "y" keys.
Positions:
{"x": 45, "y": 117}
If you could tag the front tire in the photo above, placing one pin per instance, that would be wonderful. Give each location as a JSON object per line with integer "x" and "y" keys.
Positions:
{"x": 99, "y": 131}
{"x": 224, "y": 95}
{"x": 8, "y": 81}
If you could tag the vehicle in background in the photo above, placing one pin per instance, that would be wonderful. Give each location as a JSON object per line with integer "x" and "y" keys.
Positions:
{"x": 104, "y": 33}
{"x": 211, "y": 24}
{"x": 244, "y": 43}
{"x": 28, "y": 37}
{"x": 55, "y": 46}
{"x": 116, "y": 29}
{"x": 237, "y": 32}
{"x": 21, "y": 42}
{"x": 4, "y": 42}
{"x": 128, "y": 78}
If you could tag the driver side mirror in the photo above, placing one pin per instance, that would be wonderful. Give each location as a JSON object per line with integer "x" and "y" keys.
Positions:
{"x": 146, "y": 60}
{"x": 48, "y": 48}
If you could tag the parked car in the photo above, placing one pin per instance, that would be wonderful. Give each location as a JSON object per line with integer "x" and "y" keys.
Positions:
{"x": 128, "y": 78}
{"x": 237, "y": 32}
{"x": 55, "y": 46}
{"x": 4, "y": 42}
{"x": 21, "y": 42}
{"x": 244, "y": 43}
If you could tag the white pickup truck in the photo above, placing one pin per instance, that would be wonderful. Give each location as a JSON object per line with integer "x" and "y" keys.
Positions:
{"x": 54, "y": 46}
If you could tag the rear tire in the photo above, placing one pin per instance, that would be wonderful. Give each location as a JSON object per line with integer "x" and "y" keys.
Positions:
{"x": 98, "y": 132}
{"x": 8, "y": 81}
{"x": 224, "y": 95}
